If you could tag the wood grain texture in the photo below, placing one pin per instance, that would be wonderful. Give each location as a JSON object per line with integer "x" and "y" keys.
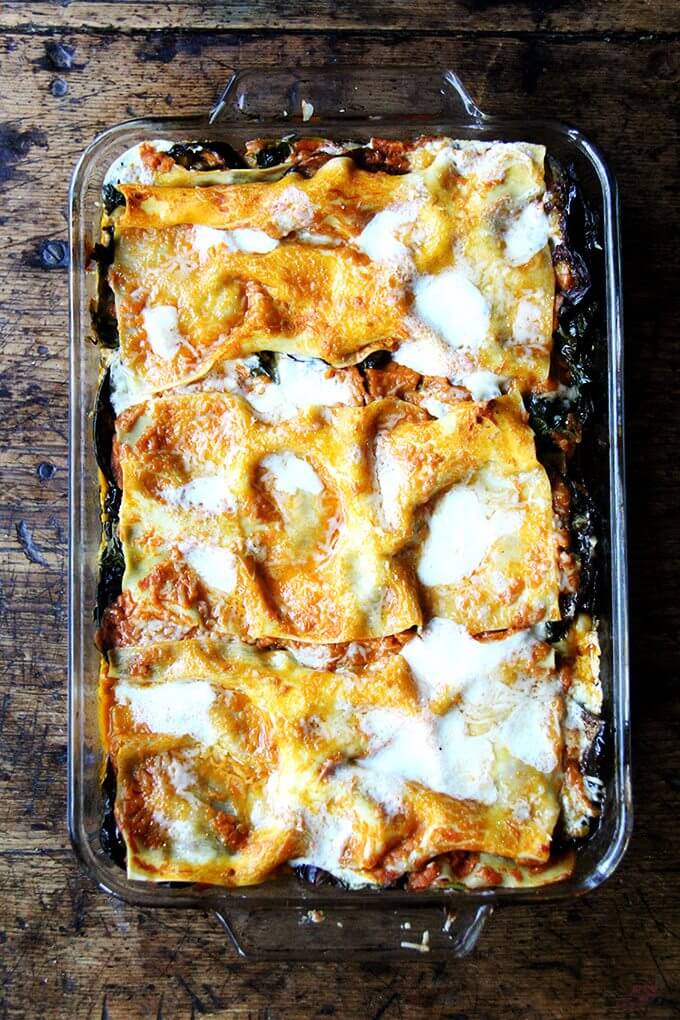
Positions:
{"x": 451, "y": 16}
{"x": 66, "y": 949}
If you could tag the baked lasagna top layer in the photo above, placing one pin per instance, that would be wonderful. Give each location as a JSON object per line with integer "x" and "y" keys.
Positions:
{"x": 341, "y": 524}
{"x": 342, "y": 555}
{"x": 233, "y": 760}
{"x": 446, "y": 265}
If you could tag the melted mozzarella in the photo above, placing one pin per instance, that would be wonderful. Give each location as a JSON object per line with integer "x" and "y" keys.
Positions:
{"x": 292, "y": 210}
{"x": 327, "y": 833}
{"x": 382, "y": 787}
{"x": 527, "y": 234}
{"x": 431, "y": 356}
{"x": 436, "y": 752}
{"x": 292, "y": 473}
{"x": 129, "y": 168}
{"x": 216, "y": 566}
{"x": 468, "y": 761}
{"x": 453, "y": 307}
{"x": 312, "y": 656}
{"x": 437, "y": 408}
{"x": 204, "y": 239}
{"x": 328, "y": 836}
{"x": 189, "y": 839}
{"x": 162, "y": 330}
{"x": 463, "y": 527}
{"x": 209, "y": 492}
{"x": 301, "y": 384}
{"x": 445, "y": 657}
{"x": 482, "y": 385}
{"x": 426, "y": 355}
{"x": 176, "y": 707}
{"x": 379, "y": 238}
{"x": 490, "y": 161}
{"x": 365, "y": 576}
{"x": 311, "y": 237}
{"x": 391, "y": 477}
{"x": 126, "y": 388}
{"x": 527, "y": 323}
{"x": 529, "y": 732}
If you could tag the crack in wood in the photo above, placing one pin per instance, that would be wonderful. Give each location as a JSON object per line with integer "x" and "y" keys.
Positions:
{"x": 625, "y": 36}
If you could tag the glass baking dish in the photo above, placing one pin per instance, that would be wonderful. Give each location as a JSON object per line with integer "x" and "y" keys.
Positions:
{"x": 286, "y": 918}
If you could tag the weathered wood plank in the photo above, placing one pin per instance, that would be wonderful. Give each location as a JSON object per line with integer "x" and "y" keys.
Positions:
{"x": 65, "y": 948}
{"x": 570, "y": 16}
{"x": 81, "y": 954}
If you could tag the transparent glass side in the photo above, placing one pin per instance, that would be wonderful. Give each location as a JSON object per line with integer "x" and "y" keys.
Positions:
{"x": 240, "y": 114}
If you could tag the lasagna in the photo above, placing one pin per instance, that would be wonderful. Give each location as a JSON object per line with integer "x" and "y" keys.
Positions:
{"x": 342, "y": 606}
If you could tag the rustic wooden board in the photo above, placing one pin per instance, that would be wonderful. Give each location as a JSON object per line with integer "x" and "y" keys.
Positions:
{"x": 65, "y": 948}
{"x": 451, "y": 16}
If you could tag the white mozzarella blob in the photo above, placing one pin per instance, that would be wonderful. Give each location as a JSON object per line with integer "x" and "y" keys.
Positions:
{"x": 379, "y": 238}
{"x": 453, "y": 307}
{"x": 129, "y": 168}
{"x": 445, "y": 657}
{"x": 431, "y": 356}
{"x": 490, "y": 161}
{"x": 328, "y": 836}
{"x": 205, "y": 239}
{"x": 468, "y": 761}
{"x": 126, "y": 388}
{"x": 366, "y": 574}
{"x": 437, "y": 408}
{"x": 527, "y": 234}
{"x": 210, "y": 493}
{"x": 482, "y": 385}
{"x": 426, "y": 355}
{"x": 175, "y": 707}
{"x": 530, "y": 732}
{"x": 312, "y": 656}
{"x": 435, "y": 752}
{"x": 382, "y": 787}
{"x": 301, "y": 384}
{"x": 311, "y": 237}
{"x": 292, "y": 210}
{"x": 463, "y": 527}
{"x": 391, "y": 477}
{"x": 527, "y": 323}
{"x": 162, "y": 330}
{"x": 291, "y": 473}
{"x": 216, "y": 566}
{"x": 188, "y": 838}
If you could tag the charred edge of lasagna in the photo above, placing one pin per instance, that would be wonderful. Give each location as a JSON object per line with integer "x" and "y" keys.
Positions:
{"x": 103, "y": 305}
{"x": 560, "y": 420}
{"x": 111, "y": 559}
{"x": 110, "y": 836}
{"x": 112, "y": 198}
{"x": 207, "y": 155}
{"x": 267, "y": 364}
{"x": 305, "y": 156}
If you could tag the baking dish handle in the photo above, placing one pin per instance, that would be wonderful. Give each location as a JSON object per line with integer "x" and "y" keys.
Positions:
{"x": 342, "y": 933}
{"x": 338, "y": 94}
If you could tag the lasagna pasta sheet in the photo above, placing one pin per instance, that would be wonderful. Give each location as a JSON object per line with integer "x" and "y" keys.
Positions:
{"x": 341, "y": 524}
{"x": 447, "y": 265}
{"x": 233, "y": 760}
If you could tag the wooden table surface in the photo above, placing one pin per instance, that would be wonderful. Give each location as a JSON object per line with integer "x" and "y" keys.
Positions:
{"x": 69, "y": 69}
